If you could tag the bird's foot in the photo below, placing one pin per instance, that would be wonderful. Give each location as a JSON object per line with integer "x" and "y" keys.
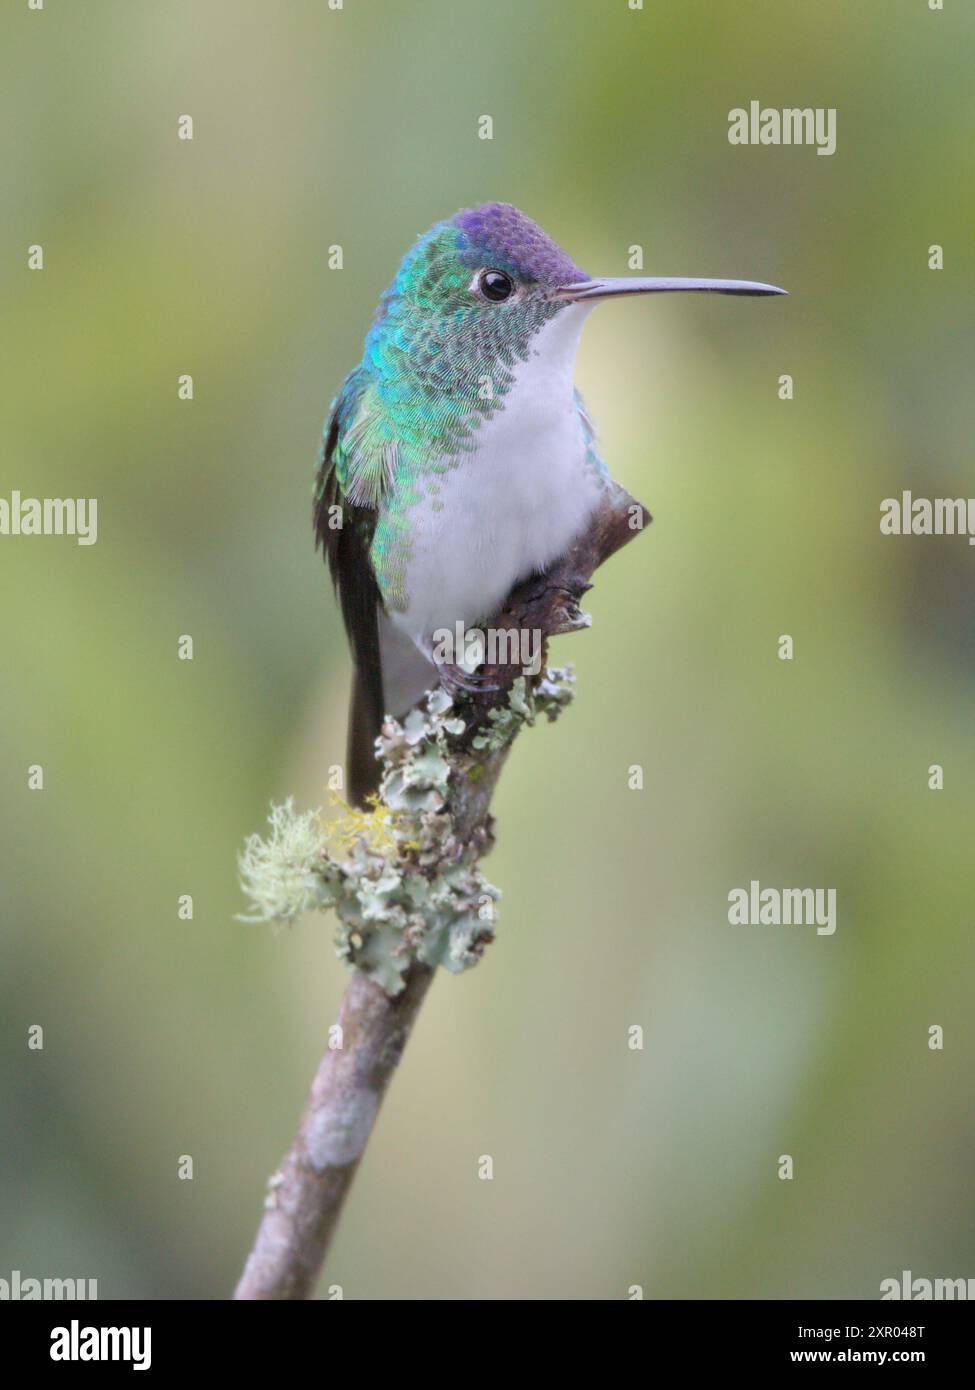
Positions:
{"x": 455, "y": 680}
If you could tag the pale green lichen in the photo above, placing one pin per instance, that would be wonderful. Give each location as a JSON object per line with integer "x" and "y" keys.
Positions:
{"x": 402, "y": 885}
{"x": 549, "y": 696}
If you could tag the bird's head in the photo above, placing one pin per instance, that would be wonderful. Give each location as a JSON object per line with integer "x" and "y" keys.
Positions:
{"x": 468, "y": 302}
{"x": 493, "y": 264}
{"x": 470, "y": 295}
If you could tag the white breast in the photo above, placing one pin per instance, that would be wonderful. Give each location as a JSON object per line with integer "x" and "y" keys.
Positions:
{"x": 515, "y": 504}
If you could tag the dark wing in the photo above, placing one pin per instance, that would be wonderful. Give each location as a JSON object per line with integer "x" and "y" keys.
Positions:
{"x": 344, "y": 528}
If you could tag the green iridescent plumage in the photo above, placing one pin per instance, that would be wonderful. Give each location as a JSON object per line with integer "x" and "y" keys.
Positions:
{"x": 436, "y": 364}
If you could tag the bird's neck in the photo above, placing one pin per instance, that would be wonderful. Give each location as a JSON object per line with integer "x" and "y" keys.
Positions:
{"x": 438, "y": 381}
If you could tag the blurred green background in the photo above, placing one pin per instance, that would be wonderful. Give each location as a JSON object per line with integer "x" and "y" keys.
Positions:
{"x": 165, "y": 1037}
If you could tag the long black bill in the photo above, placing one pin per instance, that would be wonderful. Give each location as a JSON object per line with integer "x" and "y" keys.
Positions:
{"x": 663, "y": 284}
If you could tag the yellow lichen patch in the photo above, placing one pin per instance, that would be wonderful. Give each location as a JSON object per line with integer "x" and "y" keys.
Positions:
{"x": 374, "y": 825}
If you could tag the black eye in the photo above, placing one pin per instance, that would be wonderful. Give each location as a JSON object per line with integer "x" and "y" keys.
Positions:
{"x": 494, "y": 284}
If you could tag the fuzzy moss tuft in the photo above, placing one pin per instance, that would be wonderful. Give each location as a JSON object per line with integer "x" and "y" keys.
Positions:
{"x": 281, "y": 874}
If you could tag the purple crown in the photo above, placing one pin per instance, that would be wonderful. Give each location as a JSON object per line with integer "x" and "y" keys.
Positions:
{"x": 498, "y": 235}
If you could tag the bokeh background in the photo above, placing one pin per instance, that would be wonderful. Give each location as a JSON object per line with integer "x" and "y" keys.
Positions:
{"x": 165, "y": 1037}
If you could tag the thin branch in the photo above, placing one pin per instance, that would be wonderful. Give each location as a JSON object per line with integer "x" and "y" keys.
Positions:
{"x": 306, "y": 1195}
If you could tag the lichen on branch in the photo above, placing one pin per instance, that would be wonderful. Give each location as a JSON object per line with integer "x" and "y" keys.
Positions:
{"x": 403, "y": 878}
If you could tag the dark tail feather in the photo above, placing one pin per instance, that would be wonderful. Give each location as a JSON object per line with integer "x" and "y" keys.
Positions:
{"x": 365, "y": 719}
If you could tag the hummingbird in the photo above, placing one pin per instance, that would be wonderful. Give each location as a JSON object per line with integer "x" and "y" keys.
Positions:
{"x": 458, "y": 458}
